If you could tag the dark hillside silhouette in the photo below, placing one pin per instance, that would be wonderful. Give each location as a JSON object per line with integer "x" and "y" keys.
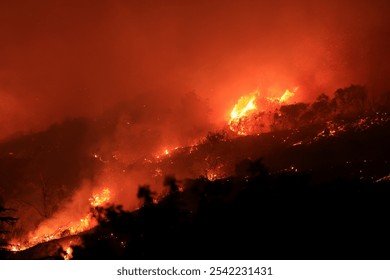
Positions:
{"x": 7, "y": 220}
{"x": 315, "y": 186}
{"x": 281, "y": 216}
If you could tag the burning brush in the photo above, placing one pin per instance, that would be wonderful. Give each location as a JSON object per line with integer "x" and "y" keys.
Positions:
{"x": 248, "y": 106}
{"x": 75, "y": 227}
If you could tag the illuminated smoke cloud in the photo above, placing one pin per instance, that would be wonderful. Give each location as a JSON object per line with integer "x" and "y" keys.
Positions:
{"x": 67, "y": 59}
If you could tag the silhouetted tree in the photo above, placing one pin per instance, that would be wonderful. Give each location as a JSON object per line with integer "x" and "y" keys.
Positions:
{"x": 322, "y": 98}
{"x": 321, "y": 106}
{"x": 146, "y": 194}
{"x": 214, "y": 138}
{"x": 171, "y": 182}
{"x": 350, "y": 101}
{"x": 291, "y": 114}
{"x": 382, "y": 102}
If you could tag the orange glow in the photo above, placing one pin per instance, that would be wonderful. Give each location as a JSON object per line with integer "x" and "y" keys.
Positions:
{"x": 165, "y": 152}
{"x": 248, "y": 105}
{"x": 100, "y": 198}
{"x": 287, "y": 95}
{"x": 244, "y": 105}
{"x": 85, "y": 223}
{"x": 68, "y": 255}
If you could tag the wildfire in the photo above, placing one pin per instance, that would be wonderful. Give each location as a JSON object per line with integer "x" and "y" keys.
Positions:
{"x": 68, "y": 253}
{"x": 244, "y": 105}
{"x": 165, "y": 152}
{"x": 284, "y": 98}
{"x": 287, "y": 95}
{"x": 96, "y": 200}
{"x": 100, "y": 198}
{"x": 87, "y": 222}
{"x": 248, "y": 105}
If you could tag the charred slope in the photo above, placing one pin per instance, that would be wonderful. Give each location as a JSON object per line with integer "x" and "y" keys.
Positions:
{"x": 57, "y": 156}
{"x": 51, "y": 250}
{"x": 324, "y": 196}
{"x": 327, "y": 151}
{"x": 332, "y": 205}
{"x": 257, "y": 217}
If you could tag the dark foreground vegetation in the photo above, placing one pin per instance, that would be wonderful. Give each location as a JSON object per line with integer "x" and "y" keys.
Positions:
{"x": 257, "y": 216}
{"x": 312, "y": 190}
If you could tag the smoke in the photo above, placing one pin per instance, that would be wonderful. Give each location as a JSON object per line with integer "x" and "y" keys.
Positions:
{"x": 62, "y": 59}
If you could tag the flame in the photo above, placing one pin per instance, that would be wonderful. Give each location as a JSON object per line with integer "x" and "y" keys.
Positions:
{"x": 100, "y": 198}
{"x": 96, "y": 200}
{"x": 287, "y": 95}
{"x": 68, "y": 255}
{"x": 244, "y": 105}
{"x": 165, "y": 152}
{"x": 85, "y": 223}
{"x": 247, "y": 105}
{"x": 284, "y": 98}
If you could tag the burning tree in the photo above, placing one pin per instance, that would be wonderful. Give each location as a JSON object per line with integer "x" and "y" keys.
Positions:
{"x": 255, "y": 113}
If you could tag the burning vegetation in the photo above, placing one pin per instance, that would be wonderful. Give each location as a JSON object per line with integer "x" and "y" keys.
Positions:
{"x": 270, "y": 147}
{"x": 46, "y": 234}
{"x": 137, "y": 130}
{"x": 254, "y": 106}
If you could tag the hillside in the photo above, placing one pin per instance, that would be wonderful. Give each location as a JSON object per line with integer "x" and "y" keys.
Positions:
{"x": 294, "y": 194}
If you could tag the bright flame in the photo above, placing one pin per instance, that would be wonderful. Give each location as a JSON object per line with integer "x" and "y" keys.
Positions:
{"x": 68, "y": 255}
{"x": 100, "y": 198}
{"x": 73, "y": 228}
{"x": 284, "y": 98}
{"x": 96, "y": 200}
{"x": 244, "y": 105}
{"x": 287, "y": 95}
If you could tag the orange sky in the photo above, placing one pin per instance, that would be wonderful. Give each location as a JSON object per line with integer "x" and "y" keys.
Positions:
{"x": 61, "y": 59}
